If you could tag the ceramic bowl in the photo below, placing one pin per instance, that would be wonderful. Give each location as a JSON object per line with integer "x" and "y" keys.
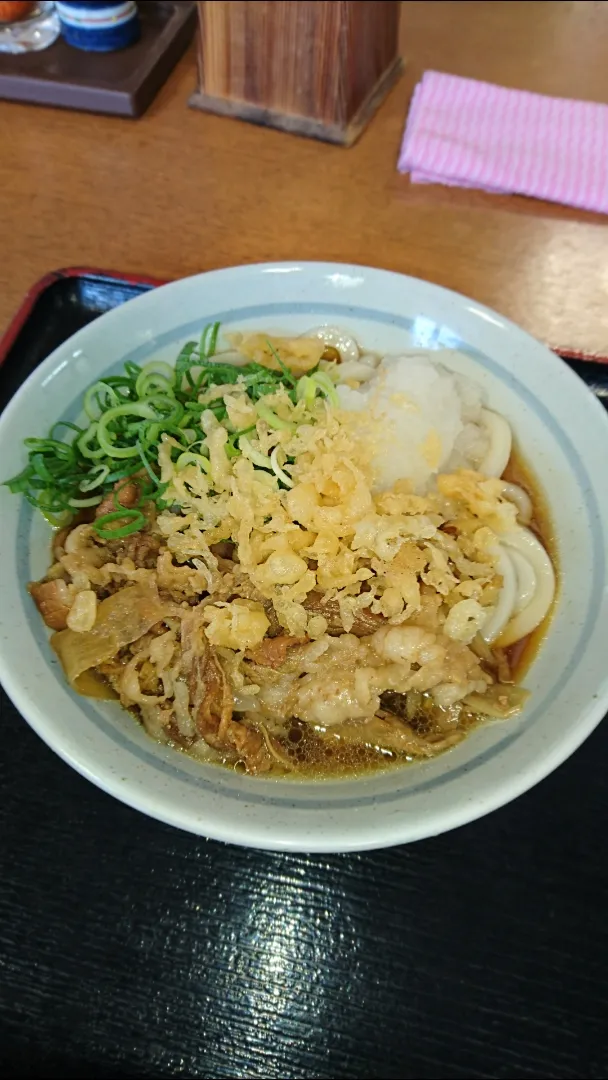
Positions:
{"x": 563, "y": 433}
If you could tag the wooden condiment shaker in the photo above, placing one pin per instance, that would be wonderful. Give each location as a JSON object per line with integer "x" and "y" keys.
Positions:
{"x": 317, "y": 68}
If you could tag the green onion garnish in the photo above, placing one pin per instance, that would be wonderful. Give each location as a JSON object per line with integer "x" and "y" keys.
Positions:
{"x": 126, "y": 416}
{"x": 135, "y": 521}
{"x": 266, "y": 413}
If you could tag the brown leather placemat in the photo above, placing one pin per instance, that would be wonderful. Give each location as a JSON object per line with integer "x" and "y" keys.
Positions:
{"x": 122, "y": 83}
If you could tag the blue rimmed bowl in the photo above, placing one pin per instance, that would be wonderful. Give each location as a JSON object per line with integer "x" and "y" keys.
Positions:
{"x": 563, "y": 433}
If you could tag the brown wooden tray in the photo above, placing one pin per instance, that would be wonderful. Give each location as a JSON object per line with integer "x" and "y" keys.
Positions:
{"x": 120, "y": 83}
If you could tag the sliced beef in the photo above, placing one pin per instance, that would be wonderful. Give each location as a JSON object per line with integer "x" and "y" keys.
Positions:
{"x": 225, "y": 549}
{"x": 365, "y": 622}
{"x": 272, "y": 651}
{"x": 142, "y": 547}
{"x": 53, "y": 602}
{"x": 211, "y": 700}
{"x": 128, "y": 496}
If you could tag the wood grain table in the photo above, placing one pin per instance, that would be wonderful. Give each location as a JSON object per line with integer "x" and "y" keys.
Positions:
{"x": 180, "y": 191}
{"x": 131, "y": 949}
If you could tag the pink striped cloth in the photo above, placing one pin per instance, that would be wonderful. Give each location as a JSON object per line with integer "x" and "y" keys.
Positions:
{"x": 473, "y": 134}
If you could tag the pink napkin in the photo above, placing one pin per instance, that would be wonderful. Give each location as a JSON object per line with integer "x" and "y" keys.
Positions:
{"x": 473, "y": 134}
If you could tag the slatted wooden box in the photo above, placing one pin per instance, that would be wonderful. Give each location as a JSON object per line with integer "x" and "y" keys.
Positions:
{"x": 313, "y": 67}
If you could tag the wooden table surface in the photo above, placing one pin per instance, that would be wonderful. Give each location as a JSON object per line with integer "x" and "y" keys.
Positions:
{"x": 179, "y": 191}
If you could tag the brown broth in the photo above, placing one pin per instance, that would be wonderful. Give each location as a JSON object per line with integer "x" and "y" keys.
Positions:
{"x": 319, "y": 759}
{"x": 315, "y": 757}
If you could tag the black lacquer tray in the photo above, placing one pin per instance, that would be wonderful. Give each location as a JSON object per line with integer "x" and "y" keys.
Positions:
{"x": 129, "y": 949}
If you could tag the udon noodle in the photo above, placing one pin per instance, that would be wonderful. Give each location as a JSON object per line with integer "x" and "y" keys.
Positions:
{"x": 292, "y": 555}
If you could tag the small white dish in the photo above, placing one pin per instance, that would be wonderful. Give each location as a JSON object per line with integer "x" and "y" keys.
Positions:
{"x": 564, "y": 435}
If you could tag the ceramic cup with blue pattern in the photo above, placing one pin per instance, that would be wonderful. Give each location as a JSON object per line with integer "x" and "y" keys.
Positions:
{"x": 98, "y": 26}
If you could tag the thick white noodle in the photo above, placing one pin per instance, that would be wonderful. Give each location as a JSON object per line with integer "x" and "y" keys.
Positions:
{"x": 525, "y": 542}
{"x": 520, "y": 499}
{"x": 337, "y": 339}
{"x": 353, "y": 369}
{"x": 526, "y": 580}
{"x": 499, "y": 616}
{"x": 497, "y": 457}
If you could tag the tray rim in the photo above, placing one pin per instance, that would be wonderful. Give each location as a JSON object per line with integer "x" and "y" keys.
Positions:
{"x": 33, "y": 294}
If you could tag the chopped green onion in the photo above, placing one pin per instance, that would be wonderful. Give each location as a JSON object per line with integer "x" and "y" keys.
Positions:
{"x": 306, "y": 390}
{"x": 95, "y": 397}
{"x": 200, "y": 446}
{"x": 83, "y": 443}
{"x": 150, "y": 434}
{"x": 164, "y": 403}
{"x": 120, "y": 474}
{"x": 146, "y": 464}
{"x": 158, "y": 498}
{"x": 155, "y": 367}
{"x": 96, "y": 479}
{"x": 128, "y": 416}
{"x": 271, "y": 418}
{"x": 67, "y": 424}
{"x": 255, "y": 456}
{"x": 107, "y": 438}
{"x": 135, "y": 519}
{"x": 184, "y": 363}
{"x": 49, "y": 446}
{"x": 231, "y": 447}
{"x": 209, "y": 340}
{"x": 152, "y": 384}
{"x": 176, "y": 433}
{"x": 193, "y": 459}
{"x": 93, "y": 501}
{"x": 56, "y": 520}
{"x": 325, "y": 384}
{"x": 56, "y": 513}
{"x": 276, "y": 468}
{"x": 40, "y": 467}
{"x": 213, "y": 340}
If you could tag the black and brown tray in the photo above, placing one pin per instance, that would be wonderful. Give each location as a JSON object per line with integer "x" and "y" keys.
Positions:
{"x": 64, "y": 301}
{"x": 121, "y": 83}
{"x": 131, "y": 949}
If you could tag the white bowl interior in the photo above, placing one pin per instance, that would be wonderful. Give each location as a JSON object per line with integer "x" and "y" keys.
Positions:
{"x": 563, "y": 433}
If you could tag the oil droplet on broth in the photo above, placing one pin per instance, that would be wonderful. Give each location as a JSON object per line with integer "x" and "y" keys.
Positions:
{"x": 317, "y": 755}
